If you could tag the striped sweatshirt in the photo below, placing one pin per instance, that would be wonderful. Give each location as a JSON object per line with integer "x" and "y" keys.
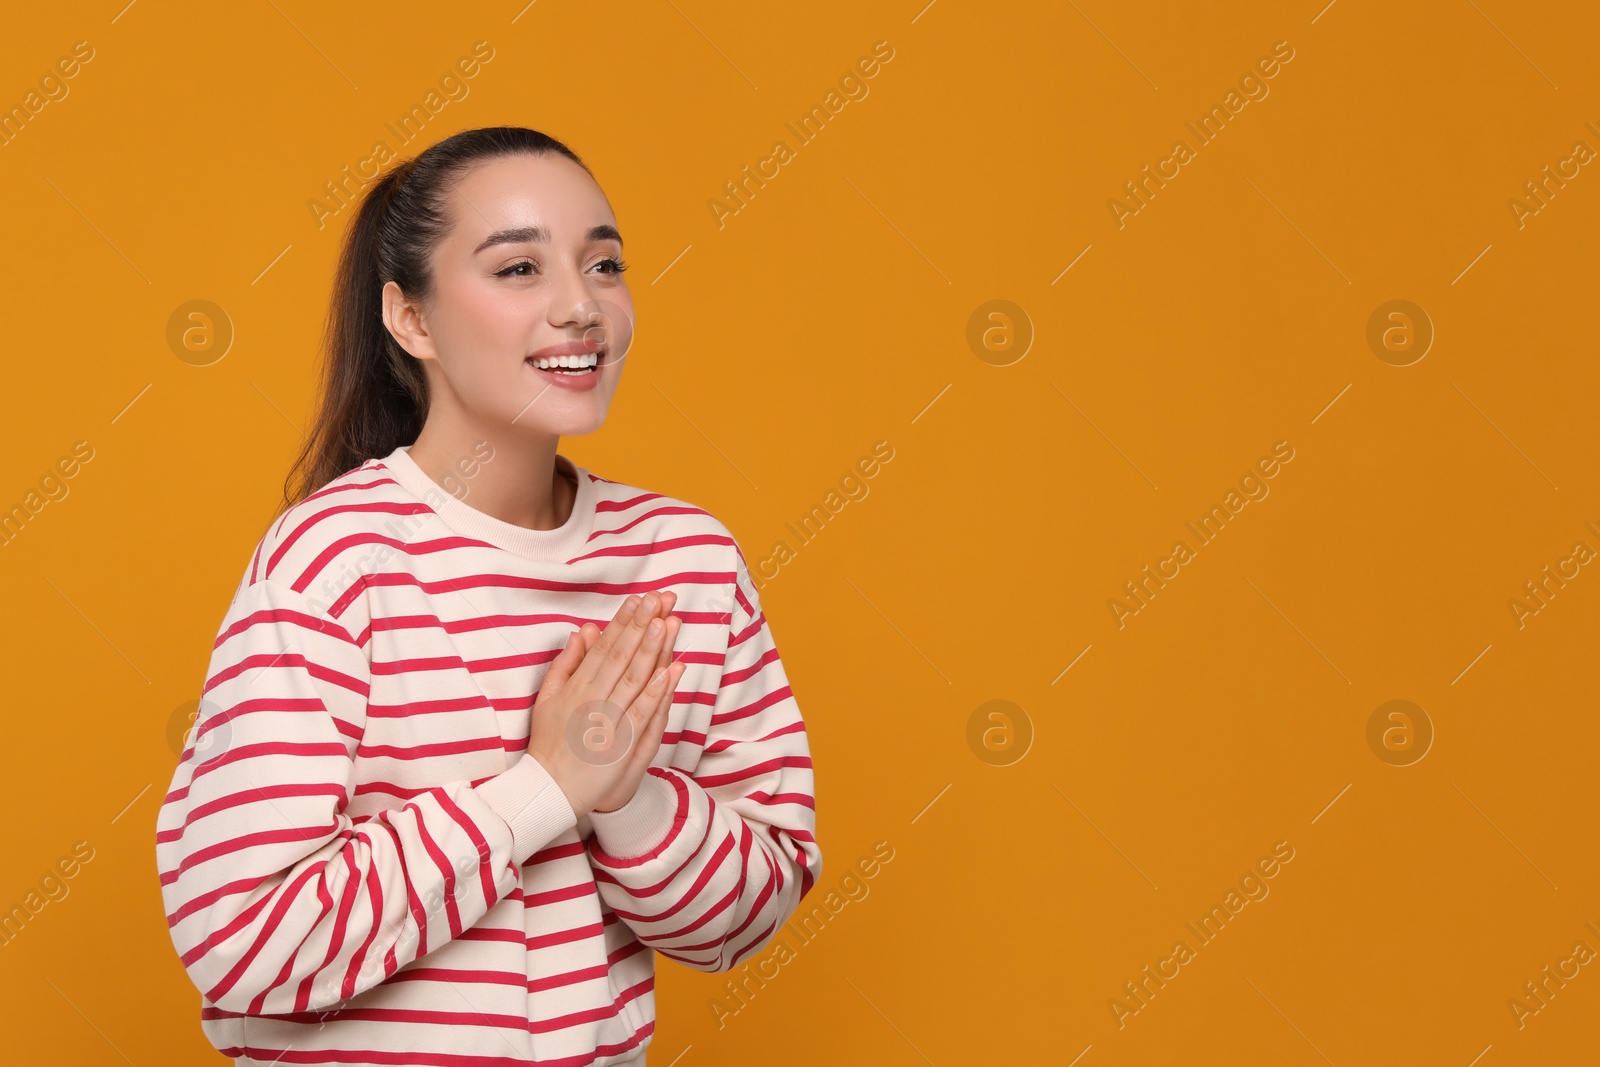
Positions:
{"x": 360, "y": 863}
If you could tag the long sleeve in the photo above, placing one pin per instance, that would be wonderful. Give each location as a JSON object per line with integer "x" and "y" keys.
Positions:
{"x": 277, "y": 900}
{"x": 706, "y": 866}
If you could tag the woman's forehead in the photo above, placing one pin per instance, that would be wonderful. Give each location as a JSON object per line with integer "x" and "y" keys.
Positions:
{"x": 542, "y": 199}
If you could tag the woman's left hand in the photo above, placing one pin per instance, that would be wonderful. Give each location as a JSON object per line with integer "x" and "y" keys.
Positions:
{"x": 588, "y": 634}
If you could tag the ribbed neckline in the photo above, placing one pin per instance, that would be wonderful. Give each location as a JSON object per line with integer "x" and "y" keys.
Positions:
{"x": 558, "y": 545}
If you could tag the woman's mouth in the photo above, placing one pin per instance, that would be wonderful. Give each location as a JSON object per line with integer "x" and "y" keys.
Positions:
{"x": 568, "y": 366}
{"x": 580, "y": 370}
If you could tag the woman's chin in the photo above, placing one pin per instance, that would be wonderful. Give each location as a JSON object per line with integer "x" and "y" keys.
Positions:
{"x": 564, "y": 423}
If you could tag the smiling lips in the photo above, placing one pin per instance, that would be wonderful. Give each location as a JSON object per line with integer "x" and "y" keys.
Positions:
{"x": 570, "y": 355}
{"x": 571, "y": 365}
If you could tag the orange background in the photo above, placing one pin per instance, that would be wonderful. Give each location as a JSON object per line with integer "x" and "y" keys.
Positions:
{"x": 1040, "y": 860}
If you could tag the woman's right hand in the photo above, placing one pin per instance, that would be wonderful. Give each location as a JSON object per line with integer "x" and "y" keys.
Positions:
{"x": 600, "y": 712}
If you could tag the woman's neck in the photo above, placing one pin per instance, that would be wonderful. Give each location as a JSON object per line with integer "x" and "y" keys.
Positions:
{"x": 505, "y": 476}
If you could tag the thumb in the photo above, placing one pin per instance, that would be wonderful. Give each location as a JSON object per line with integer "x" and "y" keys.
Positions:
{"x": 563, "y": 666}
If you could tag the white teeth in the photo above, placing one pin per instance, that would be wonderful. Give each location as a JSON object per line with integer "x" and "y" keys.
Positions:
{"x": 588, "y": 359}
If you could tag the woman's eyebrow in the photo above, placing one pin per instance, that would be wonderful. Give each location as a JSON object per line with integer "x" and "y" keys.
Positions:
{"x": 540, "y": 235}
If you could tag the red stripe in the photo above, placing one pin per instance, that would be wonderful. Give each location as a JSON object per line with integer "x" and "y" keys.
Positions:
{"x": 446, "y": 869}
{"x": 478, "y": 840}
{"x": 644, "y": 497}
{"x": 419, "y": 914}
{"x": 442, "y": 748}
{"x": 745, "y": 673}
{"x": 655, "y": 548}
{"x": 401, "y": 623}
{"x": 359, "y": 957}
{"x": 756, "y": 707}
{"x": 733, "y": 961}
{"x": 430, "y": 1059}
{"x": 347, "y": 903}
{"x": 288, "y": 967}
{"x": 341, "y": 486}
{"x": 575, "y": 891}
{"x": 426, "y": 707}
{"x": 743, "y": 774}
{"x": 522, "y": 583}
{"x": 564, "y": 937}
{"x": 205, "y": 900}
{"x": 708, "y": 867}
{"x": 255, "y": 795}
{"x": 569, "y": 978}
{"x": 244, "y": 752}
{"x": 338, "y": 547}
{"x": 314, "y": 623}
{"x": 556, "y": 852}
{"x": 415, "y": 1015}
{"x": 666, "y": 509}
{"x": 456, "y": 976}
{"x": 796, "y": 728}
{"x": 280, "y": 900}
{"x": 376, "y": 507}
{"x": 238, "y": 844}
{"x": 286, "y": 660}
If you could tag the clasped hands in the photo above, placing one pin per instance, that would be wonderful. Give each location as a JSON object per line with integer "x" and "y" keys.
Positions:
{"x": 604, "y": 703}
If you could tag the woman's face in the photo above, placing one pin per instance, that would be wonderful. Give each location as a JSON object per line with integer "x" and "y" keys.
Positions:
{"x": 530, "y": 264}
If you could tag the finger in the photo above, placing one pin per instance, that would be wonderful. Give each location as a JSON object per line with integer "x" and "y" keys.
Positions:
{"x": 658, "y": 694}
{"x": 665, "y": 599}
{"x": 656, "y": 700}
{"x": 669, "y": 646}
{"x": 625, "y": 611}
{"x": 591, "y": 634}
{"x": 561, "y": 668}
{"x": 637, "y": 669}
{"x": 615, "y": 643}
{"x": 668, "y": 696}
{"x": 658, "y": 726}
{"x": 620, "y": 641}
{"x": 642, "y": 711}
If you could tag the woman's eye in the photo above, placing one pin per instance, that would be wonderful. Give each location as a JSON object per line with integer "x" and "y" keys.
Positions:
{"x": 527, "y": 269}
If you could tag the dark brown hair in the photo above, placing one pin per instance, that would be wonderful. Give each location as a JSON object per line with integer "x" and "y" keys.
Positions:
{"x": 373, "y": 395}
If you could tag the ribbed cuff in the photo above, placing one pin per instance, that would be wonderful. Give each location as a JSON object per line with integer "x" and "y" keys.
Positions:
{"x": 639, "y": 825}
{"x": 531, "y": 803}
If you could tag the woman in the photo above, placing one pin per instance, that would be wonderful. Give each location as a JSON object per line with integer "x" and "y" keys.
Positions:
{"x": 374, "y": 850}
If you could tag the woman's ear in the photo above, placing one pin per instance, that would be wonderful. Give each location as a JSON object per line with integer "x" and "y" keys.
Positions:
{"x": 405, "y": 323}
